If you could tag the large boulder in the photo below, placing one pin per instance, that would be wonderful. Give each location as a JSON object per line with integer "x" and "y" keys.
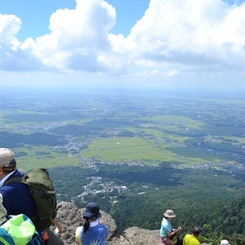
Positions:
{"x": 70, "y": 217}
{"x": 137, "y": 236}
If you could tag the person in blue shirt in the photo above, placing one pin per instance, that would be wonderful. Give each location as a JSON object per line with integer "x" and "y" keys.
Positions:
{"x": 91, "y": 233}
{"x": 169, "y": 235}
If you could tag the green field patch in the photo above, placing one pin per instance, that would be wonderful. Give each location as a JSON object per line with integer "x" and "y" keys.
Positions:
{"x": 154, "y": 132}
{"x": 223, "y": 147}
{"x": 51, "y": 159}
{"x": 173, "y": 128}
{"x": 131, "y": 149}
{"x": 158, "y": 134}
{"x": 30, "y": 112}
{"x": 197, "y": 156}
{"x": 124, "y": 149}
{"x": 225, "y": 131}
{"x": 179, "y": 120}
{"x": 175, "y": 137}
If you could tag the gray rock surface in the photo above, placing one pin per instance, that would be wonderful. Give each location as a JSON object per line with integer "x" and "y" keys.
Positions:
{"x": 69, "y": 216}
{"x": 137, "y": 236}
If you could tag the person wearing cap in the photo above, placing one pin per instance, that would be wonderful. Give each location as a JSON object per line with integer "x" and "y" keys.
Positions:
{"x": 192, "y": 239}
{"x": 169, "y": 235}
{"x": 16, "y": 196}
{"x": 224, "y": 242}
{"x": 91, "y": 232}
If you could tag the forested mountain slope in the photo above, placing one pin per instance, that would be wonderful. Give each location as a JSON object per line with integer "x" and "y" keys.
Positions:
{"x": 230, "y": 218}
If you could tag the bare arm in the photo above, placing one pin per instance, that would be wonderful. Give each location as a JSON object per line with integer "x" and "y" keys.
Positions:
{"x": 173, "y": 232}
{"x": 78, "y": 236}
{"x": 58, "y": 225}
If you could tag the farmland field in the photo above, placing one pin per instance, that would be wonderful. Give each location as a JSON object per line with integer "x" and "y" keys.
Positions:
{"x": 182, "y": 131}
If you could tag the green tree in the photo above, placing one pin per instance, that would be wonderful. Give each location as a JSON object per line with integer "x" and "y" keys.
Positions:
{"x": 209, "y": 236}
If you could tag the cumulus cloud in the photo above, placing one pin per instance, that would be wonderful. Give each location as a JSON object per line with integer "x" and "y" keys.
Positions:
{"x": 78, "y": 38}
{"x": 172, "y": 37}
{"x": 9, "y": 27}
{"x": 191, "y": 33}
{"x": 12, "y": 57}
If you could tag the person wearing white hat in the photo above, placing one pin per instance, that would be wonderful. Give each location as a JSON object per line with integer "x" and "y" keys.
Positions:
{"x": 224, "y": 242}
{"x": 169, "y": 235}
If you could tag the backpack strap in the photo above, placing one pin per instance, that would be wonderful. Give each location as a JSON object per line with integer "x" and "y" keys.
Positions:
{"x": 16, "y": 179}
{"x": 19, "y": 179}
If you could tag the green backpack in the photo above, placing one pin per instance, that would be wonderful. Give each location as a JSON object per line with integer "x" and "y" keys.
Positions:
{"x": 43, "y": 193}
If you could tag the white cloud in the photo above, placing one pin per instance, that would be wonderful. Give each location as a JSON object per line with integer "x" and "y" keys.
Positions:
{"x": 191, "y": 33}
{"x": 9, "y": 27}
{"x": 173, "y": 37}
{"x": 12, "y": 57}
{"x": 78, "y": 38}
{"x": 171, "y": 73}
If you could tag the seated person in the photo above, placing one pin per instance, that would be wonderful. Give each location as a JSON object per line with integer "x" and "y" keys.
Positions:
{"x": 191, "y": 239}
{"x": 224, "y": 242}
{"x": 169, "y": 235}
{"x": 91, "y": 232}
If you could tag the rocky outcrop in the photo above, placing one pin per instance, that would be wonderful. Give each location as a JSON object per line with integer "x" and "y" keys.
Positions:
{"x": 70, "y": 217}
{"x": 136, "y": 236}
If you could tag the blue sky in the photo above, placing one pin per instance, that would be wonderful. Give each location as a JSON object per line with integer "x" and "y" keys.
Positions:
{"x": 146, "y": 43}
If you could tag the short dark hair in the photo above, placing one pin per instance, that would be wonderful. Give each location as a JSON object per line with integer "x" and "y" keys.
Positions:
{"x": 196, "y": 230}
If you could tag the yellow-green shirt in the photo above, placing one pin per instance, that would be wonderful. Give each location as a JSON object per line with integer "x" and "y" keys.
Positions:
{"x": 190, "y": 240}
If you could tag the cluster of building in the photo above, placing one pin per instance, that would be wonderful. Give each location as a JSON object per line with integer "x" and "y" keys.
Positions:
{"x": 106, "y": 187}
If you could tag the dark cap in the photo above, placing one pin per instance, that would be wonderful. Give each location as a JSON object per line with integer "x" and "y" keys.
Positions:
{"x": 92, "y": 211}
{"x": 7, "y": 161}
